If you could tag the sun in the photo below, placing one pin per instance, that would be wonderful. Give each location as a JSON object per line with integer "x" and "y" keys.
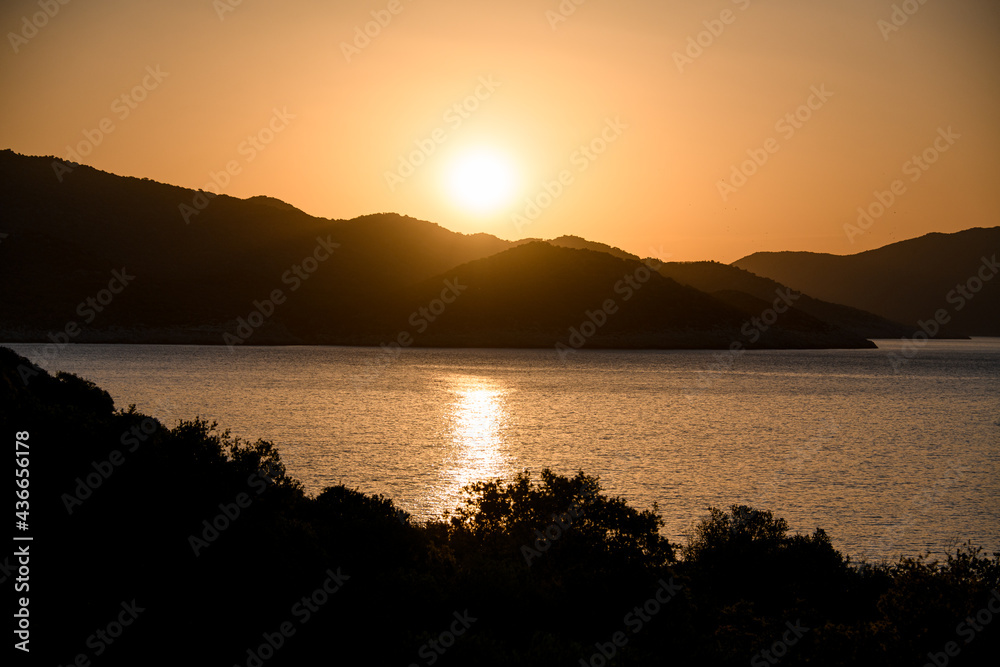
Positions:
{"x": 482, "y": 180}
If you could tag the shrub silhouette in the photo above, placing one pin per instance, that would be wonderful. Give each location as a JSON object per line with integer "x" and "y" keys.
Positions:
{"x": 743, "y": 576}
{"x": 561, "y": 523}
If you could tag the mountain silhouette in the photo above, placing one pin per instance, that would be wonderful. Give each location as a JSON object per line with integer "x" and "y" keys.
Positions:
{"x": 578, "y": 243}
{"x": 908, "y": 282}
{"x": 538, "y": 294}
{"x": 213, "y": 269}
{"x": 193, "y": 277}
{"x": 727, "y": 282}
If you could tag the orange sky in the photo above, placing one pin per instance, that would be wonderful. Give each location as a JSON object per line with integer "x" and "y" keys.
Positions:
{"x": 200, "y": 77}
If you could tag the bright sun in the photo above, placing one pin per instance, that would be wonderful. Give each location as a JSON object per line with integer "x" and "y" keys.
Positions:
{"x": 482, "y": 180}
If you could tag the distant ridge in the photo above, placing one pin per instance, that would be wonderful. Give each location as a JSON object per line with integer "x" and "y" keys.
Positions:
{"x": 716, "y": 278}
{"x": 538, "y": 295}
{"x": 578, "y": 243}
{"x": 908, "y": 281}
{"x": 199, "y": 268}
{"x": 272, "y": 201}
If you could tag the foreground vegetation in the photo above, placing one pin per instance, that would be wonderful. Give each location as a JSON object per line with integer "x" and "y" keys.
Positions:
{"x": 223, "y": 559}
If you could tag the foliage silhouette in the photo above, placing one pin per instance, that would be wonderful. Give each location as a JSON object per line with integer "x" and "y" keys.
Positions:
{"x": 742, "y": 577}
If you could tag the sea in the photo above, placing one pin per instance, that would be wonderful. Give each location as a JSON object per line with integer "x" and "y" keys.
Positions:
{"x": 892, "y": 451}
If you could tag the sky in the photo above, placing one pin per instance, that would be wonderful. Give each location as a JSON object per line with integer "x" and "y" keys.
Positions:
{"x": 683, "y": 130}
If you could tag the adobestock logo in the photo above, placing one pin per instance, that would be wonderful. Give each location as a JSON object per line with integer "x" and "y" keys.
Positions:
{"x": 230, "y": 512}
{"x": 363, "y": 35}
{"x": 302, "y": 611}
{"x": 122, "y": 107}
{"x": 420, "y": 320}
{"x": 597, "y": 318}
{"x": 223, "y": 7}
{"x": 294, "y": 276}
{"x": 454, "y": 116}
{"x": 560, "y": 524}
{"x": 432, "y": 651}
{"x": 752, "y": 330}
{"x": 787, "y": 126}
{"x": 634, "y": 622}
{"x": 584, "y": 156}
{"x": 38, "y": 20}
{"x": 88, "y": 309}
{"x": 779, "y": 648}
{"x": 562, "y": 13}
{"x": 968, "y": 629}
{"x": 103, "y": 638}
{"x": 959, "y": 297}
{"x": 899, "y": 17}
{"x": 915, "y": 167}
{"x": 249, "y": 149}
{"x": 696, "y": 44}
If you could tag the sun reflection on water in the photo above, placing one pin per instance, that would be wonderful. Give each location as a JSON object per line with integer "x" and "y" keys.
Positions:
{"x": 476, "y": 426}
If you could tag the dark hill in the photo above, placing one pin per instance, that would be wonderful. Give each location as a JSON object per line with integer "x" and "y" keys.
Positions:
{"x": 583, "y": 244}
{"x": 713, "y": 277}
{"x": 194, "y": 277}
{"x": 272, "y": 201}
{"x": 906, "y": 281}
{"x": 537, "y": 294}
{"x": 211, "y": 269}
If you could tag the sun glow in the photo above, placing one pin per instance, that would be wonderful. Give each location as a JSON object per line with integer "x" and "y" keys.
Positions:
{"x": 482, "y": 180}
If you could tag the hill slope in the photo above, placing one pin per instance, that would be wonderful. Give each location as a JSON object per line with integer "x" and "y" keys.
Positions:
{"x": 906, "y": 281}
{"x": 94, "y": 257}
{"x": 713, "y": 277}
{"x": 65, "y": 240}
{"x": 538, "y": 295}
